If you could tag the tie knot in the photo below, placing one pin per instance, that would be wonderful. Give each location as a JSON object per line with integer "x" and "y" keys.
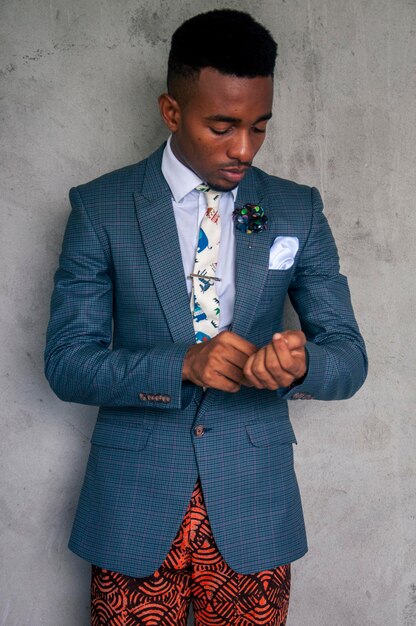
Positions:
{"x": 212, "y": 197}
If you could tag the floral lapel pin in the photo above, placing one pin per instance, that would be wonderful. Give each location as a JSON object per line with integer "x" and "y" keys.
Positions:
{"x": 250, "y": 218}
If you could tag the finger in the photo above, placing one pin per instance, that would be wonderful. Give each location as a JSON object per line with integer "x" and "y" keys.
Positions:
{"x": 228, "y": 338}
{"x": 231, "y": 372}
{"x": 290, "y": 363}
{"x": 295, "y": 339}
{"x": 214, "y": 379}
{"x": 259, "y": 373}
{"x": 223, "y": 356}
{"x": 234, "y": 356}
{"x": 249, "y": 374}
{"x": 273, "y": 364}
{"x": 246, "y": 383}
{"x": 283, "y": 353}
{"x": 222, "y": 383}
{"x": 268, "y": 369}
{"x": 282, "y": 377}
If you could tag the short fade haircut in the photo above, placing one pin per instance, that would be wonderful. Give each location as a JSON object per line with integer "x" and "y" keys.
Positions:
{"x": 231, "y": 42}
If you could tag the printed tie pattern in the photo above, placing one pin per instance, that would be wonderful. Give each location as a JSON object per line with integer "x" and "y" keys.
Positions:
{"x": 204, "y": 303}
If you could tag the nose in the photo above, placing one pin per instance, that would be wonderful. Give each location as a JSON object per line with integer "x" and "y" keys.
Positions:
{"x": 241, "y": 148}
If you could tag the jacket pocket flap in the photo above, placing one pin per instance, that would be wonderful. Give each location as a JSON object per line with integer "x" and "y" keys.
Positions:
{"x": 268, "y": 433}
{"x": 117, "y": 436}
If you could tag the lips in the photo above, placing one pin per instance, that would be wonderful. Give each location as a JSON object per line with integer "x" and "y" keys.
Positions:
{"x": 234, "y": 174}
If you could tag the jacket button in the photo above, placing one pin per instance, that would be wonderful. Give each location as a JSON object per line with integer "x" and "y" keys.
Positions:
{"x": 199, "y": 431}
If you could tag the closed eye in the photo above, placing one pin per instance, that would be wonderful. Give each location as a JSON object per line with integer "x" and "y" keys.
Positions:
{"x": 224, "y": 132}
{"x": 219, "y": 132}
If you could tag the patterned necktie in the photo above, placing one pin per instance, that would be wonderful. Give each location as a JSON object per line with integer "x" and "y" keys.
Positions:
{"x": 205, "y": 305}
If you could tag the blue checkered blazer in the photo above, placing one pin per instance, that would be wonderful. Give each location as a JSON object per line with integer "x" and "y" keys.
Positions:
{"x": 120, "y": 281}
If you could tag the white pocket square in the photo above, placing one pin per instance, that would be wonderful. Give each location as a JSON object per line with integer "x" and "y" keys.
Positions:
{"x": 282, "y": 253}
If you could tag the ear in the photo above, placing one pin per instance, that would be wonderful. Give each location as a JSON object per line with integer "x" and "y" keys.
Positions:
{"x": 170, "y": 111}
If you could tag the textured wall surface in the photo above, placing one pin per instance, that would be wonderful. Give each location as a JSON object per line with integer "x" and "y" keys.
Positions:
{"x": 78, "y": 88}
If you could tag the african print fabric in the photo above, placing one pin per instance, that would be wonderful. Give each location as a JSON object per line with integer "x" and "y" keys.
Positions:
{"x": 193, "y": 570}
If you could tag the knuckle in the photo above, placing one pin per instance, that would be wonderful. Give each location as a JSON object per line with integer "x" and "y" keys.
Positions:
{"x": 214, "y": 355}
{"x": 258, "y": 368}
{"x": 257, "y": 371}
{"x": 298, "y": 372}
{"x": 272, "y": 386}
{"x": 209, "y": 378}
{"x": 239, "y": 376}
{"x": 275, "y": 368}
{"x": 270, "y": 382}
{"x": 213, "y": 360}
{"x": 287, "y": 380}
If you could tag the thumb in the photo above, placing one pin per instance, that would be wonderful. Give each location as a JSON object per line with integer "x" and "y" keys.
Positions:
{"x": 294, "y": 339}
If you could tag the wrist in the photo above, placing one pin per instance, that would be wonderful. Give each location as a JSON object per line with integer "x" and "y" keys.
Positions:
{"x": 186, "y": 366}
{"x": 300, "y": 380}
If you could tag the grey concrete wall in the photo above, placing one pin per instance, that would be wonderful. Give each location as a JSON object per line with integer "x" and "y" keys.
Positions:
{"x": 79, "y": 82}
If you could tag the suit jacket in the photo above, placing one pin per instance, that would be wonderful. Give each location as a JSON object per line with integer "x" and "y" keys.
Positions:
{"x": 121, "y": 280}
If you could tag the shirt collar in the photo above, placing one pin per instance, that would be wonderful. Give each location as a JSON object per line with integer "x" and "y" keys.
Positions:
{"x": 180, "y": 178}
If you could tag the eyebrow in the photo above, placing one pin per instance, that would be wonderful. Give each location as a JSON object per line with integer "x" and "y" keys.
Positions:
{"x": 236, "y": 120}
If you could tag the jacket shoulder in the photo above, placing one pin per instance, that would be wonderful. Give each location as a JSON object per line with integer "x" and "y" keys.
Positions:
{"x": 117, "y": 185}
{"x": 122, "y": 179}
{"x": 287, "y": 199}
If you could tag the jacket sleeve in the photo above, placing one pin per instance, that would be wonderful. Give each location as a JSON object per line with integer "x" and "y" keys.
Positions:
{"x": 337, "y": 360}
{"x": 79, "y": 364}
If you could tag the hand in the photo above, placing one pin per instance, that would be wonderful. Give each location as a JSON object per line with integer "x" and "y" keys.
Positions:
{"x": 219, "y": 362}
{"x": 279, "y": 363}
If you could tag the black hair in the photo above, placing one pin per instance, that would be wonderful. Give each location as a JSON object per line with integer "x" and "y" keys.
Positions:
{"x": 229, "y": 41}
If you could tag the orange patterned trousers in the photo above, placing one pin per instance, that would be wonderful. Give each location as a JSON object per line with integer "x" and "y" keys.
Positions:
{"x": 193, "y": 570}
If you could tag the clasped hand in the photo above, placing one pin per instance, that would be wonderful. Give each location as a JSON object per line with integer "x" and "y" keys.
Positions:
{"x": 228, "y": 361}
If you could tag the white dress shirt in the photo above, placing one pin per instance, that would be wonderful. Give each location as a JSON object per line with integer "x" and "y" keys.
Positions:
{"x": 189, "y": 207}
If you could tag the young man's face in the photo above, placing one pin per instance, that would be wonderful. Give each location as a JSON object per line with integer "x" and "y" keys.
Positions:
{"x": 220, "y": 126}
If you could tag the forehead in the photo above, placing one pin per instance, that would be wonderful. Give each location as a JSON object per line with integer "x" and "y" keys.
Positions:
{"x": 214, "y": 93}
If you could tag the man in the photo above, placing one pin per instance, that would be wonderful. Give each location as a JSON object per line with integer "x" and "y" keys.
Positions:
{"x": 190, "y": 489}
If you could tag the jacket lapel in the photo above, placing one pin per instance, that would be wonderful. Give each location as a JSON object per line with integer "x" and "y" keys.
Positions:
{"x": 161, "y": 242}
{"x": 160, "y": 238}
{"x": 252, "y": 260}
{"x": 252, "y": 266}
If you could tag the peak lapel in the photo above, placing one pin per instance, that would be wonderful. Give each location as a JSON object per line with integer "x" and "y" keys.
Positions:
{"x": 160, "y": 238}
{"x": 252, "y": 260}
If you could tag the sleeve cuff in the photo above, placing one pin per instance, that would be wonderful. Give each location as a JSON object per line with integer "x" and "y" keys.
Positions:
{"x": 304, "y": 388}
{"x": 165, "y": 388}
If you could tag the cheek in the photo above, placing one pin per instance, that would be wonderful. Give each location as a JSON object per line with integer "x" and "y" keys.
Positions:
{"x": 260, "y": 140}
{"x": 204, "y": 151}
